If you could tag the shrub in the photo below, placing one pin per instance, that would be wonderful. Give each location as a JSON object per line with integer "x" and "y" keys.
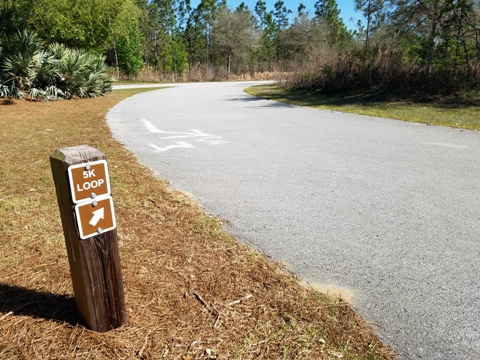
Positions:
{"x": 30, "y": 70}
{"x": 377, "y": 71}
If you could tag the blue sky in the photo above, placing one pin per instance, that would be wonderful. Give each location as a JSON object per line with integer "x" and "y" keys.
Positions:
{"x": 347, "y": 8}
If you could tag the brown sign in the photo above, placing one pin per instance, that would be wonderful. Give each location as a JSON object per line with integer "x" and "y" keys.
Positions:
{"x": 95, "y": 217}
{"x": 89, "y": 180}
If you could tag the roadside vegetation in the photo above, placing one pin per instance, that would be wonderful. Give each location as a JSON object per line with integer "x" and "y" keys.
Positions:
{"x": 445, "y": 111}
{"x": 192, "y": 291}
{"x": 31, "y": 70}
{"x": 399, "y": 47}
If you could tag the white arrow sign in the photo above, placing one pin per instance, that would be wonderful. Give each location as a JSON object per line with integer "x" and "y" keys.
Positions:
{"x": 92, "y": 223}
{"x": 97, "y": 215}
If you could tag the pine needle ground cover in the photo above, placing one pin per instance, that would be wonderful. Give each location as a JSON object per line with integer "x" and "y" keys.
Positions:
{"x": 192, "y": 291}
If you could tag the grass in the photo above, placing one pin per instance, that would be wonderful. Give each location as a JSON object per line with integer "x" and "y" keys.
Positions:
{"x": 192, "y": 291}
{"x": 436, "y": 111}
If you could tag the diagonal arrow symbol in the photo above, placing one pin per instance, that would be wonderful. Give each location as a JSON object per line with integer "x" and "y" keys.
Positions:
{"x": 97, "y": 215}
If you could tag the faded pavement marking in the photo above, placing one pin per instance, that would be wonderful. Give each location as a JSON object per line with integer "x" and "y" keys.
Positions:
{"x": 197, "y": 135}
{"x": 452, "y": 146}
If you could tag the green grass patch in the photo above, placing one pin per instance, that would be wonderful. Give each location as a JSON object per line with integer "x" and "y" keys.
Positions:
{"x": 452, "y": 112}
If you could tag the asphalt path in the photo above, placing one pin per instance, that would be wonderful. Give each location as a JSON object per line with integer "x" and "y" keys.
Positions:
{"x": 386, "y": 210}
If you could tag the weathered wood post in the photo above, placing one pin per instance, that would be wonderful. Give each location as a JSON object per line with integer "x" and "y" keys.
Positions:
{"x": 83, "y": 191}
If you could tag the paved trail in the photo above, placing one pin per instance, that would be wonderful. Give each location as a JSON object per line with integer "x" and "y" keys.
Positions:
{"x": 385, "y": 209}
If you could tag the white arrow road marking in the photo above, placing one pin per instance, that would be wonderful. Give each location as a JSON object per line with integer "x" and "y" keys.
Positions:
{"x": 194, "y": 133}
{"x": 97, "y": 215}
{"x": 150, "y": 127}
{"x": 173, "y": 135}
{"x": 199, "y": 134}
{"x": 178, "y": 145}
{"x": 214, "y": 140}
{"x": 204, "y": 137}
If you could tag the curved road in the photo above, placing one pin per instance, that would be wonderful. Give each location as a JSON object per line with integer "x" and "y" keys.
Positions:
{"x": 384, "y": 209}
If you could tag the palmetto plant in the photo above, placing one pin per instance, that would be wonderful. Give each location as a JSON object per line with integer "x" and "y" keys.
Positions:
{"x": 30, "y": 70}
{"x": 83, "y": 74}
{"x": 16, "y": 65}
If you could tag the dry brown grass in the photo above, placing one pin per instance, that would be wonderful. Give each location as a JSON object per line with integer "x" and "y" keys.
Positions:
{"x": 197, "y": 73}
{"x": 192, "y": 291}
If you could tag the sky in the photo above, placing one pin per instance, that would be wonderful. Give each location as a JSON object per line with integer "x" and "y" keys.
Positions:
{"x": 347, "y": 8}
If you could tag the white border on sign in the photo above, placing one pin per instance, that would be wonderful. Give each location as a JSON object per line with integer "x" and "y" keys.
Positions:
{"x": 82, "y": 165}
{"x": 79, "y": 223}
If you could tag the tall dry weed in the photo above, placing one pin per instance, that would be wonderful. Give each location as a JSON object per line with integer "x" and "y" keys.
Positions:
{"x": 377, "y": 71}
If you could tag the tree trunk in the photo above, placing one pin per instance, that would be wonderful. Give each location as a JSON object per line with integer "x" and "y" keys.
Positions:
{"x": 116, "y": 59}
{"x": 229, "y": 62}
{"x": 431, "y": 47}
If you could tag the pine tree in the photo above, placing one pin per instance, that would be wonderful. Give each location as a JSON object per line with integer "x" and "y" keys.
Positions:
{"x": 327, "y": 11}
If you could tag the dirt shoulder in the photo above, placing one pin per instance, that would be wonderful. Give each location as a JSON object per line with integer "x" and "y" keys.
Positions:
{"x": 192, "y": 291}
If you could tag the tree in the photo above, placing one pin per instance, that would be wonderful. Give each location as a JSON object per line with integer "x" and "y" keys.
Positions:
{"x": 198, "y": 32}
{"x": 299, "y": 41}
{"x": 470, "y": 41}
{"x": 327, "y": 12}
{"x": 280, "y": 16}
{"x": 269, "y": 31}
{"x": 175, "y": 56}
{"x": 88, "y": 24}
{"x": 439, "y": 26}
{"x": 373, "y": 13}
{"x": 301, "y": 9}
{"x": 234, "y": 34}
{"x": 159, "y": 26}
{"x": 129, "y": 52}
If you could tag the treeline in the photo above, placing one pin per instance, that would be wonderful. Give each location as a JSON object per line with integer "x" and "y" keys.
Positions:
{"x": 403, "y": 46}
{"x": 399, "y": 45}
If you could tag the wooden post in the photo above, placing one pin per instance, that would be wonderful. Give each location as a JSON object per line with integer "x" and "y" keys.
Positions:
{"x": 93, "y": 254}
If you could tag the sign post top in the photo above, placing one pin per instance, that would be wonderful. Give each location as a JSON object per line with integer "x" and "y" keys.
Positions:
{"x": 89, "y": 181}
